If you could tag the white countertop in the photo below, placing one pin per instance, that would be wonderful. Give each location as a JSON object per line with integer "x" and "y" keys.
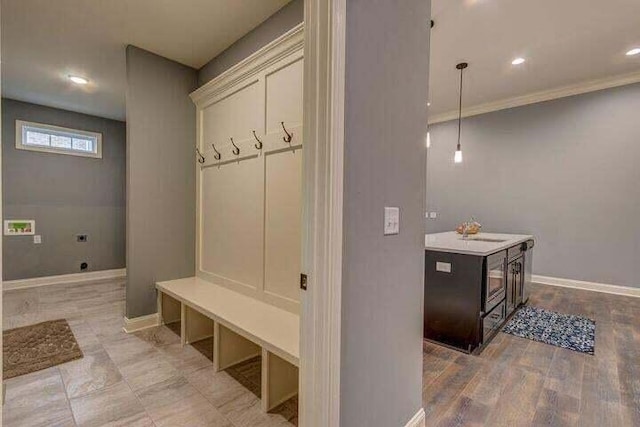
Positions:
{"x": 454, "y": 243}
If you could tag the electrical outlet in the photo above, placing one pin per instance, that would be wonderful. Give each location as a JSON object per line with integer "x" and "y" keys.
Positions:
{"x": 37, "y": 239}
{"x": 433, "y": 215}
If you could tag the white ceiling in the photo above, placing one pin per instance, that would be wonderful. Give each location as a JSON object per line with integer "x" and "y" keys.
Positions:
{"x": 565, "y": 42}
{"x": 43, "y": 41}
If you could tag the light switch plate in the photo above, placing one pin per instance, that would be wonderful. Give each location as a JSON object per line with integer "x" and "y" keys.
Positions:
{"x": 391, "y": 220}
{"x": 37, "y": 239}
{"x": 433, "y": 215}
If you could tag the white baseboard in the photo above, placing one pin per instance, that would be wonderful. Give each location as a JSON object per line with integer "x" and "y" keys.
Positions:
{"x": 587, "y": 286}
{"x": 418, "y": 419}
{"x": 90, "y": 276}
{"x": 140, "y": 323}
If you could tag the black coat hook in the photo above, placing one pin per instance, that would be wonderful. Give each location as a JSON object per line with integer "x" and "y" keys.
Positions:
{"x": 289, "y": 136}
{"x": 216, "y": 156}
{"x": 235, "y": 150}
{"x": 259, "y": 144}
{"x": 201, "y": 158}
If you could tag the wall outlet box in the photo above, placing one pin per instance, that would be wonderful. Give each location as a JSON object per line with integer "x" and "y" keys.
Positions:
{"x": 19, "y": 227}
{"x": 391, "y": 220}
{"x": 37, "y": 239}
{"x": 444, "y": 267}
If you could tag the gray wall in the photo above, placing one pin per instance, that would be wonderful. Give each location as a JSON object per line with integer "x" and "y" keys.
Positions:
{"x": 160, "y": 176}
{"x": 564, "y": 170}
{"x": 277, "y": 24}
{"x": 66, "y": 195}
{"x": 387, "y": 74}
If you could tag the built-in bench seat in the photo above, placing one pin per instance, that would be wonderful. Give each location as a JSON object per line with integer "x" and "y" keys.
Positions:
{"x": 242, "y": 328}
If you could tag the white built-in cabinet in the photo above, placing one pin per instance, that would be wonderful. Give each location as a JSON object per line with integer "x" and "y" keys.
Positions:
{"x": 249, "y": 228}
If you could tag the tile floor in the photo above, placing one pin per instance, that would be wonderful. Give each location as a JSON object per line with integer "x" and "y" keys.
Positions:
{"x": 143, "y": 379}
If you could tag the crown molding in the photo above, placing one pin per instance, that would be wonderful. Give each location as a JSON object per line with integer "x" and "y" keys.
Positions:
{"x": 251, "y": 66}
{"x": 545, "y": 95}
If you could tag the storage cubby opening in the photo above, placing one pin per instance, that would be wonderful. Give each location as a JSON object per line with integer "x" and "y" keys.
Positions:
{"x": 171, "y": 313}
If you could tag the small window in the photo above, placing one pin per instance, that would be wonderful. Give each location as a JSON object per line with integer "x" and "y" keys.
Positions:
{"x": 55, "y": 139}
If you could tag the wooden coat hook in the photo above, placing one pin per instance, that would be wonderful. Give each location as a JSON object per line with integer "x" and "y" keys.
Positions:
{"x": 259, "y": 144}
{"x": 235, "y": 150}
{"x": 289, "y": 136}
{"x": 201, "y": 158}
{"x": 216, "y": 156}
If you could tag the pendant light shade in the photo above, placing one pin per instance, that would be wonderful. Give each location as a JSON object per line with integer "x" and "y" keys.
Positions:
{"x": 457, "y": 158}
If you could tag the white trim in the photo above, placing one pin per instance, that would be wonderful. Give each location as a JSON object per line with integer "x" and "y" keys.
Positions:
{"x": 140, "y": 323}
{"x": 280, "y": 53}
{"x": 320, "y": 334}
{"x": 251, "y": 66}
{"x": 418, "y": 419}
{"x": 587, "y": 286}
{"x": 96, "y": 136}
{"x": 545, "y": 95}
{"x": 91, "y": 276}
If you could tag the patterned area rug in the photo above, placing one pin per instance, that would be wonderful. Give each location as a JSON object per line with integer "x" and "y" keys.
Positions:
{"x": 40, "y": 346}
{"x": 575, "y": 333}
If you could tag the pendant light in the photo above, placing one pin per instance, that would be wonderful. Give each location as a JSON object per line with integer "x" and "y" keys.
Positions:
{"x": 457, "y": 158}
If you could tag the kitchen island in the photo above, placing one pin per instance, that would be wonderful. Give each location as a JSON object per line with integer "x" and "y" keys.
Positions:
{"x": 472, "y": 285}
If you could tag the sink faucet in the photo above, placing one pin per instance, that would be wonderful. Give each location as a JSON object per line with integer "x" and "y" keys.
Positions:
{"x": 465, "y": 230}
{"x": 468, "y": 226}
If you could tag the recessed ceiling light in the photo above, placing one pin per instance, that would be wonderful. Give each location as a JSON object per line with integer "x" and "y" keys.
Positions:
{"x": 78, "y": 80}
{"x": 633, "y": 51}
{"x": 428, "y": 104}
{"x": 518, "y": 61}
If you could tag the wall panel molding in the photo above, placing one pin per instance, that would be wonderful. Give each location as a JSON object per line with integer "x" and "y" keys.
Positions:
{"x": 587, "y": 286}
{"x": 64, "y": 279}
{"x": 241, "y": 217}
{"x": 140, "y": 323}
{"x": 418, "y": 419}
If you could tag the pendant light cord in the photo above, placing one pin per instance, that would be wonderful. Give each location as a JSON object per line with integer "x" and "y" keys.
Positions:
{"x": 460, "y": 109}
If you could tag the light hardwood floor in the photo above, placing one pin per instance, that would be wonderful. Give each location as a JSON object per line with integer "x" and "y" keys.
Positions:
{"x": 519, "y": 382}
{"x": 143, "y": 379}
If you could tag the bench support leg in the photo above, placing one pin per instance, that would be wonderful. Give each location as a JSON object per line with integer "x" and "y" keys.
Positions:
{"x": 169, "y": 309}
{"x": 183, "y": 325}
{"x": 279, "y": 381}
{"x": 230, "y": 348}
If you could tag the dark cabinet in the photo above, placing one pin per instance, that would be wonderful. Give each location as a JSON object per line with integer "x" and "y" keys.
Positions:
{"x": 469, "y": 297}
{"x": 515, "y": 280}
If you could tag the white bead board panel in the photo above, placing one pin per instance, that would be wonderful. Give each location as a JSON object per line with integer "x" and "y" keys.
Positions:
{"x": 284, "y": 96}
{"x": 250, "y": 204}
{"x": 232, "y": 222}
{"x": 233, "y": 115}
{"x": 283, "y": 223}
